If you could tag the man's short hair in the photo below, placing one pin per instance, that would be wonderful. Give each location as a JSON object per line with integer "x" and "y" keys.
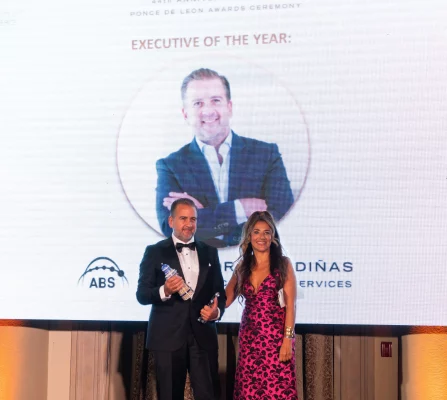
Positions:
{"x": 201, "y": 75}
{"x": 182, "y": 201}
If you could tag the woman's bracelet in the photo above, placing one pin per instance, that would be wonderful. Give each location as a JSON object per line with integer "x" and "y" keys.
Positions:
{"x": 289, "y": 332}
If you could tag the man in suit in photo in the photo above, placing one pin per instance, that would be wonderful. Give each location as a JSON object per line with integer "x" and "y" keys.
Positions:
{"x": 180, "y": 342}
{"x": 227, "y": 176}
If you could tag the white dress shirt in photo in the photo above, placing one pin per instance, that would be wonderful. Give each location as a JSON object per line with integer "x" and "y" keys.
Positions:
{"x": 220, "y": 173}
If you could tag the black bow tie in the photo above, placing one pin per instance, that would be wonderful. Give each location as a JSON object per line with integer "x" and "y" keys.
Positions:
{"x": 179, "y": 246}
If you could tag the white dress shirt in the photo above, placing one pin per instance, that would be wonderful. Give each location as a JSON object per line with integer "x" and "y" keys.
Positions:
{"x": 189, "y": 261}
{"x": 221, "y": 173}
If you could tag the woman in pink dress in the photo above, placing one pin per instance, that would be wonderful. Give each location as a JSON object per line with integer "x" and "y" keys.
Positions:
{"x": 266, "y": 280}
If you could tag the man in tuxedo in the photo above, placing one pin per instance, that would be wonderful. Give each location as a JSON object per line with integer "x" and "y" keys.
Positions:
{"x": 178, "y": 340}
{"x": 227, "y": 176}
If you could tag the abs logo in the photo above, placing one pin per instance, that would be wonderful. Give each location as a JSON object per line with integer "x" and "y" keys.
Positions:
{"x": 103, "y": 273}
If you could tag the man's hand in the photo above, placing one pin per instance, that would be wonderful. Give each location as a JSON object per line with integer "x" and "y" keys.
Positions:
{"x": 285, "y": 352}
{"x": 173, "y": 285}
{"x": 252, "y": 204}
{"x": 209, "y": 313}
{"x": 173, "y": 196}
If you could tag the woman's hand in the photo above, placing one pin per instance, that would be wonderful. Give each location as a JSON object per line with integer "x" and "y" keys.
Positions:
{"x": 285, "y": 352}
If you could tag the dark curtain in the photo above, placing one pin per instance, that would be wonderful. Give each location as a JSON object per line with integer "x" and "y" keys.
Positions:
{"x": 314, "y": 364}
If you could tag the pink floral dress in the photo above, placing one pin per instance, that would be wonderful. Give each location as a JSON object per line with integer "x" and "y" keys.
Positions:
{"x": 259, "y": 373}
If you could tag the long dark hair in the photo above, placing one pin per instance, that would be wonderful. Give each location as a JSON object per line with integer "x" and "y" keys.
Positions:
{"x": 278, "y": 263}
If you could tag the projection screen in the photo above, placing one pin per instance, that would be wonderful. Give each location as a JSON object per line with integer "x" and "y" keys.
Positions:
{"x": 352, "y": 95}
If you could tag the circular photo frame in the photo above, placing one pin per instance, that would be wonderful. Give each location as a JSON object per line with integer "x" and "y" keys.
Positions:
{"x": 263, "y": 108}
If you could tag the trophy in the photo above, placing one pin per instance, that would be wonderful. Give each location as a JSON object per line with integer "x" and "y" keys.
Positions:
{"x": 185, "y": 291}
{"x": 200, "y": 319}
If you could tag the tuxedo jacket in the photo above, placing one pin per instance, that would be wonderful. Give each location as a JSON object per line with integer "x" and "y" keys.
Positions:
{"x": 170, "y": 321}
{"x": 256, "y": 170}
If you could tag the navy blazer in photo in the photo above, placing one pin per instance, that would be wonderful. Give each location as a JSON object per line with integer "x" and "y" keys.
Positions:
{"x": 256, "y": 170}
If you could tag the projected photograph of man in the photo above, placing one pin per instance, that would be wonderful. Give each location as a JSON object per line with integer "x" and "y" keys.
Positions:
{"x": 228, "y": 134}
{"x": 227, "y": 176}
